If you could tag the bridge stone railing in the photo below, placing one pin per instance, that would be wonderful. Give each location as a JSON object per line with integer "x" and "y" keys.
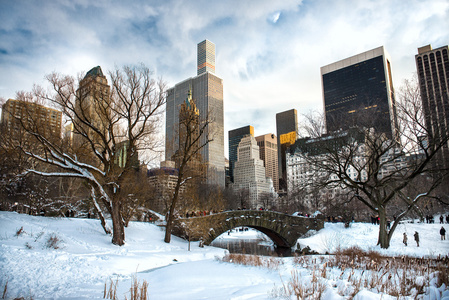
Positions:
{"x": 283, "y": 229}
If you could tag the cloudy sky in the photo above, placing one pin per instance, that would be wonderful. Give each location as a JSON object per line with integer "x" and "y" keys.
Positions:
{"x": 269, "y": 53}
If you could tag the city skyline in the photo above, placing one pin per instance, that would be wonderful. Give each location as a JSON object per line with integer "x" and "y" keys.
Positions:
{"x": 268, "y": 54}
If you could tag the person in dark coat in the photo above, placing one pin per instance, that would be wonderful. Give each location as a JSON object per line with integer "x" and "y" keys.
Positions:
{"x": 416, "y": 236}
{"x": 404, "y": 240}
{"x": 443, "y": 233}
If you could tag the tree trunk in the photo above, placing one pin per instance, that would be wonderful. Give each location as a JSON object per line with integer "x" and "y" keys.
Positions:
{"x": 171, "y": 211}
{"x": 118, "y": 232}
{"x": 384, "y": 237}
{"x": 168, "y": 229}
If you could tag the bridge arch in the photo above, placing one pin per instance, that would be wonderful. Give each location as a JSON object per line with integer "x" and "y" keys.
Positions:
{"x": 282, "y": 229}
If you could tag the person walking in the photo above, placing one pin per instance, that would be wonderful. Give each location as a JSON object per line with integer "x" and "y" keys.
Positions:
{"x": 404, "y": 240}
{"x": 416, "y": 236}
{"x": 443, "y": 233}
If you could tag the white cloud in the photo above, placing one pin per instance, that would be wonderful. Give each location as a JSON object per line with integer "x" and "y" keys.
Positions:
{"x": 269, "y": 53}
{"x": 275, "y": 17}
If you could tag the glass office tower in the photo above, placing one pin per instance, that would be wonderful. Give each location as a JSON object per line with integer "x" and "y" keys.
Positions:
{"x": 286, "y": 128}
{"x": 433, "y": 74}
{"x": 207, "y": 92}
{"x": 358, "y": 91}
{"x": 206, "y": 57}
{"x": 235, "y": 136}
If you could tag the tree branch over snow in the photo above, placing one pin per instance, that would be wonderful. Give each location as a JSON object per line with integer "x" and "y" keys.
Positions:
{"x": 110, "y": 124}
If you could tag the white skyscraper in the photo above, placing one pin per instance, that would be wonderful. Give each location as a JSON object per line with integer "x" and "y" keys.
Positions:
{"x": 249, "y": 172}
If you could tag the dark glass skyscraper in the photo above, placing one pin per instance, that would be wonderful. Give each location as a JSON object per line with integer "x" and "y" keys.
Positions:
{"x": 286, "y": 127}
{"x": 207, "y": 91}
{"x": 433, "y": 75}
{"x": 358, "y": 91}
{"x": 235, "y": 136}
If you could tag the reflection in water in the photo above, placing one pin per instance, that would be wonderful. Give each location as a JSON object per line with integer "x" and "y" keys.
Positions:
{"x": 245, "y": 246}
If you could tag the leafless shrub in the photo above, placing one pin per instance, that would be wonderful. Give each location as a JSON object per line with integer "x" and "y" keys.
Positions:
{"x": 332, "y": 242}
{"x": 53, "y": 242}
{"x": 28, "y": 246}
{"x": 20, "y": 231}
{"x": 39, "y": 235}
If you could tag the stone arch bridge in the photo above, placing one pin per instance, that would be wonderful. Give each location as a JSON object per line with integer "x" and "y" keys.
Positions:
{"x": 282, "y": 229}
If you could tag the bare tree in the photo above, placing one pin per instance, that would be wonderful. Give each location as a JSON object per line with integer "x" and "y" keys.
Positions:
{"x": 377, "y": 170}
{"x": 111, "y": 125}
{"x": 314, "y": 125}
{"x": 242, "y": 198}
{"x": 192, "y": 138}
{"x": 267, "y": 200}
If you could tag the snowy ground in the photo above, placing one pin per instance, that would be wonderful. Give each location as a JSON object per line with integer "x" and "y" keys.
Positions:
{"x": 86, "y": 259}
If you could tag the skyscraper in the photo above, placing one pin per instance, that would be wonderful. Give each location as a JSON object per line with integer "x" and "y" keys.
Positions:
{"x": 249, "y": 172}
{"x": 207, "y": 90}
{"x": 433, "y": 75}
{"x": 44, "y": 120}
{"x": 358, "y": 91}
{"x": 268, "y": 150}
{"x": 235, "y": 136}
{"x": 286, "y": 127}
{"x": 206, "y": 57}
{"x": 92, "y": 105}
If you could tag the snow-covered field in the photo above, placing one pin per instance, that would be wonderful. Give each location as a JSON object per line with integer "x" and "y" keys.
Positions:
{"x": 85, "y": 260}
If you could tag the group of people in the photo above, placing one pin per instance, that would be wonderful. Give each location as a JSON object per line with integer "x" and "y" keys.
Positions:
{"x": 431, "y": 220}
{"x": 70, "y": 213}
{"x": 416, "y": 236}
{"x": 199, "y": 213}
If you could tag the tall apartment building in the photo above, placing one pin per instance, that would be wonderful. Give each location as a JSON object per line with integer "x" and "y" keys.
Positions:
{"x": 92, "y": 106}
{"x": 433, "y": 73}
{"x": 249, "y": 172}
{"x": 358, "y": 91}
{"x": 93, "y": 92}
{"x": 206, "y": 57}
{"x": 207, "y": 90}
{"x": 47, "y": 121}
{"x": 268, "y": 150}
{"x": 235, "y": 136}
{"x": 286, "y": 128}
{"x": 163, "y": 182}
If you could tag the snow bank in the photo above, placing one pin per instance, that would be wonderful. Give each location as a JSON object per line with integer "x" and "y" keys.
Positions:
{"x": 83, "y": 259}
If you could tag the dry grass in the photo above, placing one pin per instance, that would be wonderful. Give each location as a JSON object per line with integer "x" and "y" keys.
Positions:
{"x": 5, "y": 294}
{"x": 301, "y": 288}
{"x": 395, "y": 276}
{"x": 138, "y": 291}
{"x": 111, "y": 291}
{"x": 272, "y": 263}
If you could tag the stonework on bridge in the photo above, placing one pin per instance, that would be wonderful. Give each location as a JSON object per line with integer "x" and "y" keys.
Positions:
{"x": 282, "y": 229}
